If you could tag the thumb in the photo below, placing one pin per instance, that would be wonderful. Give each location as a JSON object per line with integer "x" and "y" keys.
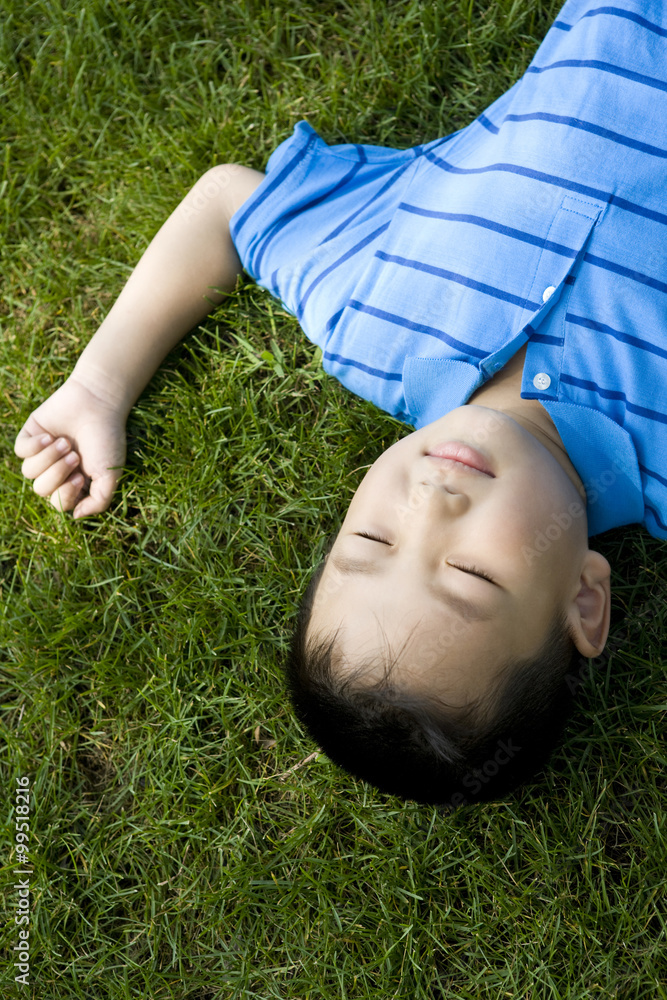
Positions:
{"x": 99, "y": 496}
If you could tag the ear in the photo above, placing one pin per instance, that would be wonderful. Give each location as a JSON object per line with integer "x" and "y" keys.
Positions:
{"x": 589, "y": 613}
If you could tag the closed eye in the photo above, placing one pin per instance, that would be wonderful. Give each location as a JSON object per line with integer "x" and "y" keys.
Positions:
{"x": 373, "y": 538}
{"x": 474, "y": 572}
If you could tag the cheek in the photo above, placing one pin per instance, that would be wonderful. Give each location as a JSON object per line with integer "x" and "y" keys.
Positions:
{"x": 538, "y": 527}
{"x": 518, "y": 518}
{"x": 382, "y": 487}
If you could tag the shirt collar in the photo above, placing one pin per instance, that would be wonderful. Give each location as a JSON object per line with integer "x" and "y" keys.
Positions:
{"x": 604, "y": 455}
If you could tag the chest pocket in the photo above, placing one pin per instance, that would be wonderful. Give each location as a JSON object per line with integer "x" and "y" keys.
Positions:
{"x": 441, "y": 380}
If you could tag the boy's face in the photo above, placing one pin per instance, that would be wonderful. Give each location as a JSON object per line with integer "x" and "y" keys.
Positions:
{"x": 437, "y": 527}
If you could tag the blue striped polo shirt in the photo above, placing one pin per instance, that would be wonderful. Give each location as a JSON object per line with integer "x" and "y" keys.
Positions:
{"x": 421, "y": 272}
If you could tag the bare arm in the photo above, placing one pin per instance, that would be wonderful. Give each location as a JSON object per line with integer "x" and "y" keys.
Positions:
{"x": 78, "y": 434}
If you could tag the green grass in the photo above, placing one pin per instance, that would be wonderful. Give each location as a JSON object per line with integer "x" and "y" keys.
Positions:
{"x": 184, "y": 846}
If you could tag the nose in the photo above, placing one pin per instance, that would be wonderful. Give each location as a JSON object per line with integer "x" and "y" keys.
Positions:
{"x": 432, "y": 512}
{"x": 433, "y": 503}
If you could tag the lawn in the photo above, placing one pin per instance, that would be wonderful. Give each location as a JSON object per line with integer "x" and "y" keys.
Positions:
{"x": 185, "y": 841}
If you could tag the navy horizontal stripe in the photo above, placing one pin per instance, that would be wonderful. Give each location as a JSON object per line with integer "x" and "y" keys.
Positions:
{"x": 653, "y": 474}
{"x": 625, "y": 272}
{"x": 651, "y": 510}
{"x": 378, "y": 194}
{"x": 352, "y": 363}
{"x": 496, "y": 227}
{"x": 273, "y": 284}
{"x": 254, "y": 204}
{"x": 641, "y": 411}
{"x": 625, "y": 338}
{"x": 460, "y": 279}
{"x": 584, "y": 126}
{"x": 568, "y": 185}
{"x": 357, "y": 248}
{"x": 488, "y": 124}
{"x": 300, "y": 208}
{"x": 408, "y": 324}
{"x": 629, "y": 15}
{"x": 451, "y": 241}
{"x": 333, "y": 320}
{"x": 604, "y": 67}
{"x": 544, "y": 338}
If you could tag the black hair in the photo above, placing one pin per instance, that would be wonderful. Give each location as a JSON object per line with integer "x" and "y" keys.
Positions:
{"x": 417, "y": 747}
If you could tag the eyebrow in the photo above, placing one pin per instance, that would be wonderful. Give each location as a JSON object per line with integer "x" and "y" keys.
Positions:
{"x": 468, "y": 610}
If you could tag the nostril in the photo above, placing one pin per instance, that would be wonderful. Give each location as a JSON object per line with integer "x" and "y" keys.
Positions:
{"x": 426, "y": 486}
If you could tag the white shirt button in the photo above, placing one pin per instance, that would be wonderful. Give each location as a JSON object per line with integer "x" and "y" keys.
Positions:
{"x": 541, "y": 381}
{"x": 548, "y": 292}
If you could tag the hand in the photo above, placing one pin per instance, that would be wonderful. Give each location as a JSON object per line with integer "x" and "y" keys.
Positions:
{"x": 73, "y": 447}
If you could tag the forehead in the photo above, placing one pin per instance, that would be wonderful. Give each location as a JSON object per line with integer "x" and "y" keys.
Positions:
{"x": 432, "y": 648}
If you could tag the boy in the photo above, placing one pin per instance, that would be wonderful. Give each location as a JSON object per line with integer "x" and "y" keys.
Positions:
{"x": 502, "y": 289}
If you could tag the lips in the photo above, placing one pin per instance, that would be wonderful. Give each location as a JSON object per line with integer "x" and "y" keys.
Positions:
{"x": 462, "y": 454}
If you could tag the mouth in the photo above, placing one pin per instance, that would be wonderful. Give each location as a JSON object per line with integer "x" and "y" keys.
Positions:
{"x": 457, "y": 454}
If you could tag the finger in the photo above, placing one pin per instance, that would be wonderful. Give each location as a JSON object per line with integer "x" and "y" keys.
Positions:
{"x": 65, "y": 497}
{"x": 27, "y": 445}
{"x": 54, "y": 477}
{"x": 99, "y": 498}
{"x": 43, "y": 459}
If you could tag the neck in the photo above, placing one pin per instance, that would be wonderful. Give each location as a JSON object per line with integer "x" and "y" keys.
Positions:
{"x": 503, "y": 393}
